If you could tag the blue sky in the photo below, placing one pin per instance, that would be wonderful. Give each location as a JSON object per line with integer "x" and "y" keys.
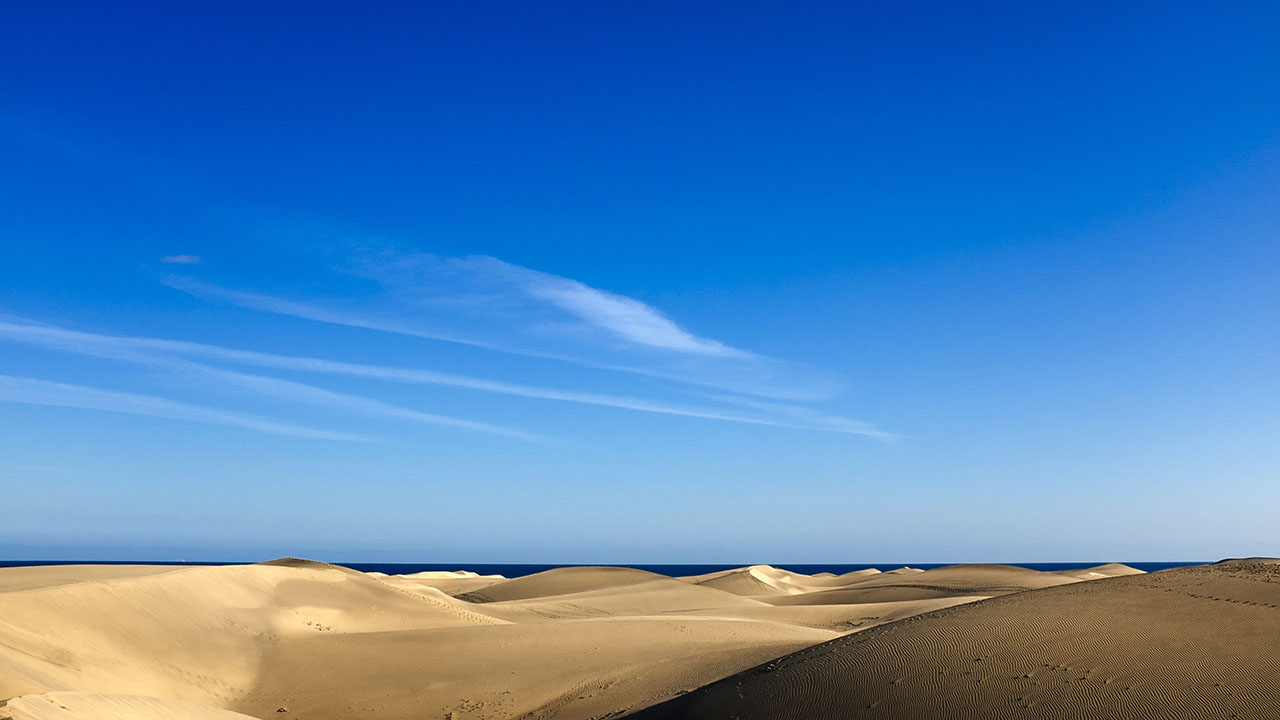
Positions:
{"x": 648, "y": 282}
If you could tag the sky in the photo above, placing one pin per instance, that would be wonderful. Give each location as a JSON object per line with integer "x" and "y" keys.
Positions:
{"x": 651, "y": 282}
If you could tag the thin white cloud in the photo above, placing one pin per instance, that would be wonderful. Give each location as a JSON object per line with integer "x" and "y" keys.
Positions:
{"x": 301, "y": 392}
{"x": 143, "y": 350}
{"x": 31, "y": 391}
{"x": 181, "y": 259}
{"x": 804, "y": 416}
{"x": 487, "y": 303}
{"x": 307, "y": 311}
{"x": 136, "y": 349}
{"x": 618, "y": 315}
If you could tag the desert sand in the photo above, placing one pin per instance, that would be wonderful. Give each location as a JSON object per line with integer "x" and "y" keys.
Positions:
{"x": 301, "y": 639}
{"x": 1196, "y": 642}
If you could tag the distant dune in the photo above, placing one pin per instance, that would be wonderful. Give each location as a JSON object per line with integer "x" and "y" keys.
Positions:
{"x": 757, "y": 580}
{"x": 911, "y": 584}
{"x": 301, "y": 639}
{"x": 561, "y": 581}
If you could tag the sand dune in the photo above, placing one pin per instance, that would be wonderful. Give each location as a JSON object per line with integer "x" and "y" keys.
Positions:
{"x": 1100, "y": 571}
{"x": 1193, "y": 642}
{"x": 756, "y": 580}
{"x": 830, "y": 580}
{"x": 661, "y": 596}
{"x": 301, "y": 639}
{"x": 569, "y": 669}
{"x": 196, "y": 633}
{"x": 323, "y": 641}
{"x": 561, "y": 581}
{"x": 913, "y": 584}
{"x": 840, "y": 618}
{"x": 453, "y": 584}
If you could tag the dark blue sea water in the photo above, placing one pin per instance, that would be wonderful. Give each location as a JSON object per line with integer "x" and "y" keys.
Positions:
{"x": 518, "y": 570}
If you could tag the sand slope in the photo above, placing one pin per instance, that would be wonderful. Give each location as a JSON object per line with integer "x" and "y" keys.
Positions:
{"x": 41, "y": 576}
{"x": 757, "y": 580}
{"x": 569, "y": 669}
{"x": 95, "y": 706}
{"x": 1194, "y": 642}
{"x": 913, "y": 584}
{"x": 196, "y": 633}
{"x": 449, "y": 582}
{"x": 560, "y": 581}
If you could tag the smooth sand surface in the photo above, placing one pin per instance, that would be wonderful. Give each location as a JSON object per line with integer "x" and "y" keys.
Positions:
{"x": 912, "y": 584}
{"x": 300, "y": 639}
{"x": 561, "y": 581}
{"x": 1197, "y": 642}
{"x": 757, "y": 580}
{"x": 450, "y": 582}
{"x": 63, "y": 705}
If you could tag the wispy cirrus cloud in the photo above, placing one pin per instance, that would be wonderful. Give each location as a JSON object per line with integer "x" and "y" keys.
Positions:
{"x": 31, "y": 391}
{"x": 619, "y": 316}
{"x": 301, "y": 392}
{"x": 181, "y": 259}
{"x": 479, "y": 286}
{"x": 156, "y": 350}
{"x": 485, "y": 302}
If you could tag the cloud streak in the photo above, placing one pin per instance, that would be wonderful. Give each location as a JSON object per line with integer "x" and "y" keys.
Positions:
{"x": 146, "y": 350}
{"x": 487, "y": 303}
{"x": 622, "y": 317}
{"x": 32, "y": 391}
{"x": 150, "y": 351}
{"x": 301, "y": 392}
{"x": 181, "y": 259}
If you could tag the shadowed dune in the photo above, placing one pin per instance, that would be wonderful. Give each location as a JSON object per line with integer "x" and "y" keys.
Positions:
{"x": 1197, "y": 642}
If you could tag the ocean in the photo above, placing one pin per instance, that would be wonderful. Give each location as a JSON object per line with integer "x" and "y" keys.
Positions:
{"x": 512, "y": 570}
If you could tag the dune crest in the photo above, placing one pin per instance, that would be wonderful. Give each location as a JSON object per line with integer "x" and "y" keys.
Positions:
{"x": 560, "y": 581}
{"x": 755, "y": 580}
